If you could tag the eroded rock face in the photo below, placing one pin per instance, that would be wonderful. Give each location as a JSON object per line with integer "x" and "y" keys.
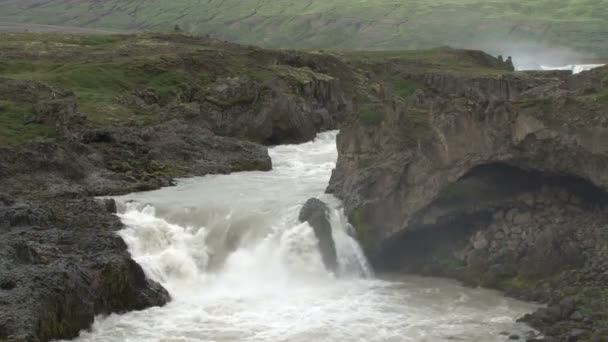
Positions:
{"x": 289, "y": 109}
{"x": 62, "y": 265}
{"x": 316, "y": 212}
{"x": 502, "y": 181}
{"x": 388, "y": 172}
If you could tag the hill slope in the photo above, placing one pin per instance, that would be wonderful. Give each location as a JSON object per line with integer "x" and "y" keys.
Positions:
{"x": 580, "y": 25}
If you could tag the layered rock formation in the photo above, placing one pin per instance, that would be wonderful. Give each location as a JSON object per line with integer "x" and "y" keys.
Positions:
{"x": 501, "y": 178}
{"x": 62, "y": 262}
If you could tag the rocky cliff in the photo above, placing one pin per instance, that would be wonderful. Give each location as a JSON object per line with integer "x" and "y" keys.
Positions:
{"x": 498, "y": 175}
{"x": 90, "y": 116}
{"x": 495, "y": 179}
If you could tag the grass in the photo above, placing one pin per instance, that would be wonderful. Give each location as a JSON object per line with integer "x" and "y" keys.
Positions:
{"x": 372, "y": 24}
{"x": 13, "y": 130}
{"x": 405, "y": 87}
{"x": 98, "y": 86}
{"x": 389, "y": 64}
{"x": 370, "y": 115}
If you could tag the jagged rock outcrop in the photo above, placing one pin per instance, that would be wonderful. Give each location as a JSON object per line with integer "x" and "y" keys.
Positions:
{"x": 391, "y": 170}
{"x": 395, "y": 175}
{"x": 198, "y": 106}
{"x": 63, "y": 264}
{"x": 289, "y": 108}
{"x": 53, "y": 106}
{"x": 316, "y": 213}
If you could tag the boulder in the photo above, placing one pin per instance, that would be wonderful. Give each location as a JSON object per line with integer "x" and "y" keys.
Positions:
{"x": 316, "y": 213}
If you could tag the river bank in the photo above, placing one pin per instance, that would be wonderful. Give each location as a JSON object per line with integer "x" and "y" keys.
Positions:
{"x": 86, "y": 116}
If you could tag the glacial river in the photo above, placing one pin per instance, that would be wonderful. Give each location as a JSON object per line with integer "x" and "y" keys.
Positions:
{"x": 240, "y": 267}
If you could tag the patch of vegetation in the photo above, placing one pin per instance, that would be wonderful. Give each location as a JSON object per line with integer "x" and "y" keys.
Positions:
{"x": 443, "y": 59}
{"x": 415, "y": 125}
{"x": 140, "y": 170}
{"x": 405, "y": 87}
{"x": 370, "y": 115}
{"x": 13, "y": 130}
{"x": 372, "y": 24}
{"x": 99, "y": 86}
{"x": 593, "y": 301}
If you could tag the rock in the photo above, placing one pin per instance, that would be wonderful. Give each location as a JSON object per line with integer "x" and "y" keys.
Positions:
{"x": 316, "y": 213}
{"x": 480, "y": 241}
{"x": 600, "y": 336}
{"x": 476, "y": 152}
{"x": 59, "y": 272}
{"x": 522, "y": 218}
{"x": 97, "y": 136}
{"x": 514, "y": 337}
{"x": 576, "y": 335}
{"x": 577, "y": 316}
{"x": 288, "y": 109}
{"x": 110, "y": 205}
{"x": 567, "y": 307}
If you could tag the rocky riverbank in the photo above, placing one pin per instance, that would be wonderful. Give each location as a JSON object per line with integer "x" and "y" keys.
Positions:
{"x": 499, "y": 175}
{"x": 495, "y": 180}
{"x": 89, "y": 116}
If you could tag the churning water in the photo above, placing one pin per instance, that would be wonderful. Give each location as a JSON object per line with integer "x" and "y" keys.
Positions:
{"x": 240, "y": 267}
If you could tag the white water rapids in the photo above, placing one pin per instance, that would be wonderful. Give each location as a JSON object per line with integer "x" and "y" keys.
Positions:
{"x": 240, "y": 267}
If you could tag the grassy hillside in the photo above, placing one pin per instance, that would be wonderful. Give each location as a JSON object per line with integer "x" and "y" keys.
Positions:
{"x": 581, "y": 25}
{"x": 104, "y": 71}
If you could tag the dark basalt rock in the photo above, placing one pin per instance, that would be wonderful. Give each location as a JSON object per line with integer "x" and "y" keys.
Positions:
{"x": 316, "y": 212}
{"x": 58, "y": 271}
{"x": 495, "y": 181}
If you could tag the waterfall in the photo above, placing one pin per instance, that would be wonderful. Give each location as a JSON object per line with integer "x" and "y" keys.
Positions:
{"x": 575, "y": 68}
{"x": 242, "y": 228}
{"x": 240, "y": 266}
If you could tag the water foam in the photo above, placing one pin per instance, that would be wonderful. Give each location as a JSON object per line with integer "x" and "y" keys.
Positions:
{"x": 575, "y": 68}
{"x": 241, "y": 267}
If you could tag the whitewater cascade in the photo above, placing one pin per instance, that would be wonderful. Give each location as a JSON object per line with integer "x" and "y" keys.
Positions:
{"x": 241, "y": 267}
{"x": 575, "y": 68}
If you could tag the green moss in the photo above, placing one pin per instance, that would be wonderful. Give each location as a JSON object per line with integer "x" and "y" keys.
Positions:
{"x": 370, "y": 115}
{"x": 415, "y": 125}
{"x": 405, "y": 87}
{"x": 262, "y": 75}
{"x": 13, "y": 130}
{"x": 593, "y": 301}
{"x": 99, "y": 86}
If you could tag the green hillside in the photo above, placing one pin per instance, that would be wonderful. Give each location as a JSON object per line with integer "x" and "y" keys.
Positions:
{"x": 580, "y": 25}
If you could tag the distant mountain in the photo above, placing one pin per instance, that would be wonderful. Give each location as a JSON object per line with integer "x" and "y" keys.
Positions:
{"x": 578, "y": 25}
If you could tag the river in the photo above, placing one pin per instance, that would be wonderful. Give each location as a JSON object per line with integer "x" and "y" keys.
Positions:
{"x": 240, "y": 267}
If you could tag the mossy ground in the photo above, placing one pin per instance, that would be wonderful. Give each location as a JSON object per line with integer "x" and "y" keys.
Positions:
{"x": 370, "y": 115}
{"x": 13, "y": 127}
{"x": 103, "y": 70}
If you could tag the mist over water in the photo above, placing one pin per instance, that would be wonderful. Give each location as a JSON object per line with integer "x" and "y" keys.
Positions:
{"x": 241, "y": 267}
{"x": 539, "y": 56}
